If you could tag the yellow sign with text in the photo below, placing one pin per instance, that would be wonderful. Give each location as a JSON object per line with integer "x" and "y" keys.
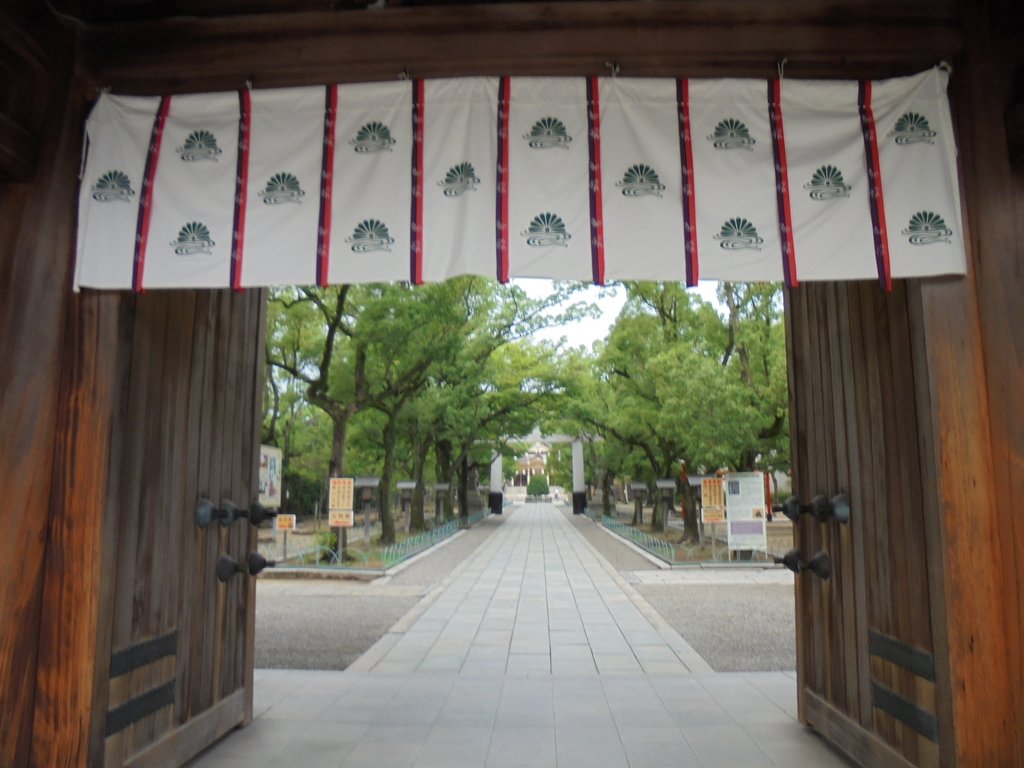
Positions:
{"x": 342, "y": 493}
{"x": 712, "y": 493}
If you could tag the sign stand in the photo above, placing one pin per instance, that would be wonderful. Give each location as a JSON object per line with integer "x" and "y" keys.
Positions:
{"x": 284, "y": 523}
{"x": 745, "y": 507}
{"x": 340, "y": 514}
{"x": 712, "y": 508}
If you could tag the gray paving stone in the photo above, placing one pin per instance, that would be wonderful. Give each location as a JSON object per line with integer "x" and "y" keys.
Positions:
{"x": 534, "y": 652}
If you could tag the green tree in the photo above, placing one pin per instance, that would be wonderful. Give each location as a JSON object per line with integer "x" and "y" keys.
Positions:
{"x": 538, "y": 486}
{"x": 678, "y": 386}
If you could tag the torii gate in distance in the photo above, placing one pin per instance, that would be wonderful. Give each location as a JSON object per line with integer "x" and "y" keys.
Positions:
{"x": 495, "y": 498}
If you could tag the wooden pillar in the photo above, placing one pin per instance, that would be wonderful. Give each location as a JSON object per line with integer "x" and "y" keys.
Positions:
{"x": 975, "y": 348}
{"x": 36, "y": 226}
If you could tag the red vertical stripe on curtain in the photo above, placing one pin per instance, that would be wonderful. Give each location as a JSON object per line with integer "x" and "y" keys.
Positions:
{"x": 876, "y": 197}
{"x": 782, "y": 183}
{"x": 501, "y": 188}
{"x": 689, "y": 201}
{"x": 416, "y": 218}
{"x": 323, "y": 241}
{"x": 146, "y": 194}
{"x": 596, "y": 212}
{"x": 241, "y": 187}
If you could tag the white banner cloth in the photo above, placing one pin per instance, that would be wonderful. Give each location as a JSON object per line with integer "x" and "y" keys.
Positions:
{"x": 593, "y": 179}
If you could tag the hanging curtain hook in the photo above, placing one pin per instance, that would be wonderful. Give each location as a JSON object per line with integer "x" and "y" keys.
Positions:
{"x": 613, "y": 65}
{"x": 248, "y": 84}
{"x": 945, "y": 66}
{"x": 405, "y": 74}
{"x": 782, "y": 67}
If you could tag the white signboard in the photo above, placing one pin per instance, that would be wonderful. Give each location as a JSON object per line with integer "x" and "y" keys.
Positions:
{"x": 340, "y": 514}
{"x": 745, "y": 507}
{"x": 270, "y": 477}
{"x": 284, "y": 523}
{"x": 341, "y": 518}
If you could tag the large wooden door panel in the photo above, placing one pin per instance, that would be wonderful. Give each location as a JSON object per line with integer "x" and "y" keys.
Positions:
{"x": 866, "y": 669}
{"x": 187, "y": 427}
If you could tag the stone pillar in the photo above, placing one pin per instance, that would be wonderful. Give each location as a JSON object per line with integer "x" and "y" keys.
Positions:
{"x": 494, "y": 497}
{"x": 579, "y": 485}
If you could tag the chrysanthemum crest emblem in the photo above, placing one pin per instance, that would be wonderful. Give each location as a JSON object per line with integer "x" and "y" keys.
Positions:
{"x": 200, "y": 145}
{"x": 111, "y": 186}
{"x": 731, "y": 134}
{"x": 737, "y": 234}
{"x": 548, "y": 132}
{"x": 926, "y": 227}
{"x": 912, "y": 128}
{"x": 827, "y": 183}
{"x": 193, "y": 238}
{"x": 282, "y": 188}
{"x": 370, "y": 235}
{"x": 460, "y": 178}
{"x": 546, "y": 229}
{"x": 640, "y": 180}
{"x": 372, "y": 137}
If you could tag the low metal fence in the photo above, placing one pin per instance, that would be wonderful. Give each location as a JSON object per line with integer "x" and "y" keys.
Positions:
{"x": 395, "y": 553}
{"x": 300, "y": 553}
{"x": 657, "y": 547}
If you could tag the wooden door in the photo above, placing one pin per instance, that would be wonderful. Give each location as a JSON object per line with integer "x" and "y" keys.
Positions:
{"x": 867, "y": 638}
{"x": 186, "y": 425}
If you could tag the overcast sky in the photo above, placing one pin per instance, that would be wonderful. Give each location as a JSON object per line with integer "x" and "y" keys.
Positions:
{"x": 586, "y": 332}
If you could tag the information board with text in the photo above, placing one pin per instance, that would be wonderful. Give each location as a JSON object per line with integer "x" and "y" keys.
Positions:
{"x": 712, "y": 494}
{"x": 340, "y": 511}
{"x": 745, "y": 507}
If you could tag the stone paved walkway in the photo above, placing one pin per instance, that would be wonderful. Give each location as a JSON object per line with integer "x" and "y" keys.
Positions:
{"x": 533, "y": 652}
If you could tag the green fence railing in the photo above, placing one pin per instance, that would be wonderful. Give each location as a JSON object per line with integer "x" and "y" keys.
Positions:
{"x": 657, "y": 547}
{"x": 395, "y": 553}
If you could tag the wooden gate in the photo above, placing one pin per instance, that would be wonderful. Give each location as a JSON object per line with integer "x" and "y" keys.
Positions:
{"x": 187, "y": 385}
{"x": 868, "y": 637}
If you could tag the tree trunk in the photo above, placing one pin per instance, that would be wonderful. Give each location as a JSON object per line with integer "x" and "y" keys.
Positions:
{"x": 387, "y": 517}
{"x": 417, "y": 518}
{"x": 464, "y": 485}
{"x": 688, "y": 509}
{"x": 339, "y": 429}
{"x": 443, "y": 450}
{"x": 606, "y": 492}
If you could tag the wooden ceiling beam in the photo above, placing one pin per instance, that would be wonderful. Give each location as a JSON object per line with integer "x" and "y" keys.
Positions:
{"x": 692, "y": 38}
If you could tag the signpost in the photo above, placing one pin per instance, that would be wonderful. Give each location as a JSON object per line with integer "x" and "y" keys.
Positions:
{"x": 712, "y": 507}
{"x": 284, "y": 523}
{"x": 746, "y": 509}
{"x": 340, "y": 514}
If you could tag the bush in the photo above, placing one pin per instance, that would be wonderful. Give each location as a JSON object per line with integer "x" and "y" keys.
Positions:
{"x": 327, "y": 538}
{"x": 538, "y": 486}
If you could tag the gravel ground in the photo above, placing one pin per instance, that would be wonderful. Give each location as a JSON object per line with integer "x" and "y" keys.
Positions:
{"x": 327, "y": 623}
{"x": 321, "y": 631}
{"x": 748, "y": 628}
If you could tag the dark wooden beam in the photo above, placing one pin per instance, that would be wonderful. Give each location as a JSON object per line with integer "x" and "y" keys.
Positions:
{"x": 700, "y": 38}
{"x": 18, "y": 151}
{"x": 36, "y": 241}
